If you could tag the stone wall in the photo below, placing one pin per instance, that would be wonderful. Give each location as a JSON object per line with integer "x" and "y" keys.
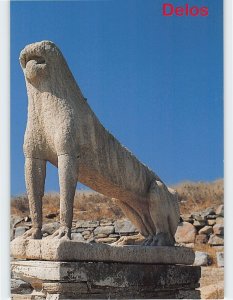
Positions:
{"x": 195, "y": 230}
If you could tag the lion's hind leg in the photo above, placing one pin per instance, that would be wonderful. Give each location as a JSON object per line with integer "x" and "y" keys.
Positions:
{"x": 146, "y": 228}
{"x": 164, "y": 213}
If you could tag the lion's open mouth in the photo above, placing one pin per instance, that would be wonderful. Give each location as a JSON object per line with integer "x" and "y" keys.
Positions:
{"x": 33, "y": 65}
{"x": 25, "y": 59}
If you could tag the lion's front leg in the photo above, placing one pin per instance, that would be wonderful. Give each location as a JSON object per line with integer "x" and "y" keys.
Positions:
{"x": 164, "y": 212}
{"x": 68, "y": 175}
{"x": 35, "y": 171}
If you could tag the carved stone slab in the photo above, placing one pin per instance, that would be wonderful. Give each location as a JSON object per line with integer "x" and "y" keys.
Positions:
{"x": 63, "y": 250}
{"x": 104, "y": 280}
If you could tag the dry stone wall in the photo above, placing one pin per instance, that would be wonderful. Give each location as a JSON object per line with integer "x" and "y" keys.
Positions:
{"x": 195, "y": 229}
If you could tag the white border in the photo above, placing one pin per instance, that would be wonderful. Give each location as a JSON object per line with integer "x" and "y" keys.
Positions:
{"x": 228, "y": 153}
{"x": 4, "y": 149}
{"x": 5, "y": 146}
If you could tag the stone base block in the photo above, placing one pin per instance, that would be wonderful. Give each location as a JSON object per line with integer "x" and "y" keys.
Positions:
{"x": 62, "y": 250}
{"x": 107, "y": 280}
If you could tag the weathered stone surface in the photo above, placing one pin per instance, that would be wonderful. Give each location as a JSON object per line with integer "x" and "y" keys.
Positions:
{"x": 104, "y": 230}
{"x": 218, "y": 248}
{"x": 216, "y": 240}
{"x": 63, "y": 129}
{"x": 87, "y": 224}
{"x": 109, "y": 279}
{"x": 107, "y": 240}
{"x": 20, "y": 286}
{"x": 187, "y": 218}
{"x": 20, "y": 231}
{"x": 199, "y": 223}
{"x": 15, "y": 220}
{"x": 189, "y": 245}
{"x": 201, "y": 239}
{"x": 218, "y": 229}
{"x": 211, "y": 275}
{"x": 86, "y": 232}
{"x": 124, "y": 226}
{"x": 201, "y": 258}
{"x": 199, "y": 217}
{"x": 62, "y": 250}
{"x": 220, "y": 211}
{"x": 213, "y": 291}
{"x": 220, "y": 220}
{"x": 220, "y": 259}
{"x": 185, "y": 233}
{"x": 106, "y": 222}
{"x": 211, "y": 217}
{"x": 206, "y": 230}
{"x": 208, "y": 211}
{"x": 101, "y": 235}
{"x": 50, "y": 227}
{"x": 211, "y": 222}
{"x": 114, "y": 235}
{"x": 77, "y": 237}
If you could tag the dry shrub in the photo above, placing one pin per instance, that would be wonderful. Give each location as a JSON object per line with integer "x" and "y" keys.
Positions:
{"x": 90, "y": 205}
{"x": 196, "y": 196}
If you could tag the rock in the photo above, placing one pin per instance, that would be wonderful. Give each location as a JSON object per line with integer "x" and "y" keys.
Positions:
{"x": 220, "y": 220}
{"x": 124, "y": 226}
{"x": 187, "y": 218}
{"x": 216, "y": 240}
{"x": 213, "y": 291}
{"x": 220, "y": 259}
{"x": 218, "y": 248}
{"x": 16, "y": 220}
{"x": 211, "y": 222}
{"x": 86, "y": 232}
{"x": 50, "y": 227}
{"x": 198, "y": 217}
{"x": 201, "y": 258}
{"x": 201, "y": 239}
{"x": 88, "y": 237}
{"x": 104, "y": 230}
{"x": 206, "y": 230}
{"x": 66, "y": 250}
{"x": 218, "y": 229}
{"x": 211, "y": 217}
{"x": 20, "y": 287}
{"x": 199, "y": 223}
{"x": 220, "y": 210}
{"x": 20, "y": 231}
{"x": 208, "y": 211}
{"x": 98, "y": 280}
{"x": 77, "y": 237}
{"x": 106, "y": 222}
{"x": 91, "y": 224}
{"x": 81, "y": 229}
{"x": 185, "y": 233}
{"x": 106, "y": 240}
{"x": 114, "y": 235}
{"x": 188, "y": 245}
{"x": 211, "y": 275}
{"x": 101, "y": 235}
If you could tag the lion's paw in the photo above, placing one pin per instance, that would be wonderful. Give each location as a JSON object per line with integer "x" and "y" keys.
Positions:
{"x": 63, "y": 233}
{"x": 33, "y": 233}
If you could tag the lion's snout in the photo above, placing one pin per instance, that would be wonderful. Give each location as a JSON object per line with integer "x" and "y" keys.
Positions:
{"x": 39, "y": 52}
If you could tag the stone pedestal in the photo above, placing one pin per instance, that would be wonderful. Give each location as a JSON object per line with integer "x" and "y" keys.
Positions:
{"x": 128, "y": 272}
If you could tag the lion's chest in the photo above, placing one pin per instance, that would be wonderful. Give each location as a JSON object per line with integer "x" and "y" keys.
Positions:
{"x": 50, "y": 130}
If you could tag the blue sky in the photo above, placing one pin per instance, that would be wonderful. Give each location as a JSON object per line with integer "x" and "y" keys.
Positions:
{"x": 155, "y": 82}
